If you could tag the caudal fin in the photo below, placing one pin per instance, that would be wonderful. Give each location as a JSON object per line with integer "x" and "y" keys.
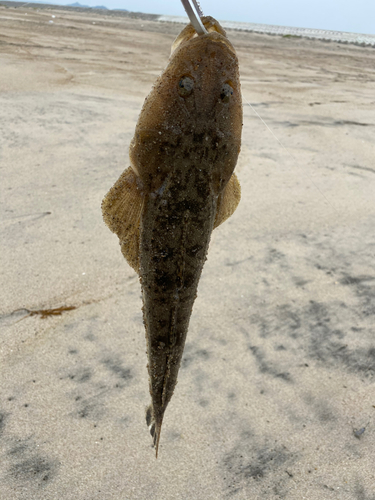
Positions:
{"x": 154, "y": 427}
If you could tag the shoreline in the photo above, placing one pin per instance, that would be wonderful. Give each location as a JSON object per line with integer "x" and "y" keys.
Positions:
{"x": 359, "y": 39}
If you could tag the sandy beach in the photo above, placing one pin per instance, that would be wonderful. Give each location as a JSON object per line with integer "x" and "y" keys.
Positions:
{"x": 276, "y": 393}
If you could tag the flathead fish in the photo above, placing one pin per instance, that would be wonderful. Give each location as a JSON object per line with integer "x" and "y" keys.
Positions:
{"x": 179, "y": 187}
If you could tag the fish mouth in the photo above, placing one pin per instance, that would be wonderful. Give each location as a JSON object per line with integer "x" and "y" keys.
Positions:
{"x": 214, "y": 29}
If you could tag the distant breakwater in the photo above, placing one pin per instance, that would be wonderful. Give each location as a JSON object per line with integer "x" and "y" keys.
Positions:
{"x": 288, "y": 31}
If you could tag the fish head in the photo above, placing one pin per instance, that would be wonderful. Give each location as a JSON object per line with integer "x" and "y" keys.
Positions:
{"x": 193, "y": 114}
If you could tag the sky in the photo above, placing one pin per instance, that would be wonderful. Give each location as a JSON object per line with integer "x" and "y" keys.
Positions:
{"x": 357, "y": 16}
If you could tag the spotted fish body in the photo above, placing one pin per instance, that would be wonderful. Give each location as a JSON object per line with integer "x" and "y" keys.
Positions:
{"x": 179, "y": 187}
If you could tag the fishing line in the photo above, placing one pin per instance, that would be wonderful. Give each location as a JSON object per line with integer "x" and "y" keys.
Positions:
{"x": 289, "y": 153}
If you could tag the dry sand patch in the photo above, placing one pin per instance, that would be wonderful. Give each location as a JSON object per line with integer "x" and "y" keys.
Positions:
{"x": 276, "y": 394}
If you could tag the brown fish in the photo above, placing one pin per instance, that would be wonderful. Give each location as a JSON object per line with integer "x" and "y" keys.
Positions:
{"x": 180, "y": 186}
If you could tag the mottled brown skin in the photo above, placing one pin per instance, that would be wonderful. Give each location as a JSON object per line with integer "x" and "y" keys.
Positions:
{"x": 183, "y": 153}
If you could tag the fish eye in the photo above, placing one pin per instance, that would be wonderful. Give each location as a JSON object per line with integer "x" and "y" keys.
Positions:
{"x": 185, "y": 86}
{"x": 226, "y": 92}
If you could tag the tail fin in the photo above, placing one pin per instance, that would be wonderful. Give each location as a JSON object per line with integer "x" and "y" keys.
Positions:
{"x": 154, "y": 427}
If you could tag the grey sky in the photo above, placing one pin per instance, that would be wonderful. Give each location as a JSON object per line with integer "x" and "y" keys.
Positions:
{"x": 340, "y": 15}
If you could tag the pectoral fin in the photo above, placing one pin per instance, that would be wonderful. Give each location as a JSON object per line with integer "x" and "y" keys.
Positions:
{"x": 121, "y": 208}
{"x": 228, "y": 200}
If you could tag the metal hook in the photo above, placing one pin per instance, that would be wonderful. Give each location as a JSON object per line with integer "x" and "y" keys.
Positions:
{"x": 194, "y": 11}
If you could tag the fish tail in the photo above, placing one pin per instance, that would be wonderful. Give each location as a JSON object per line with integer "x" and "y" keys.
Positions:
{"x": 154, "y": 427}
{"x": 157, "y": 437}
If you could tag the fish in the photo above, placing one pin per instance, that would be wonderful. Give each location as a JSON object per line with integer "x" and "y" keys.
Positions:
{"x": 180, "y": 185}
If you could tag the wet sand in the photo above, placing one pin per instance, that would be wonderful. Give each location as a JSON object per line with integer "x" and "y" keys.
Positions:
{"x": 276, "y": 394}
